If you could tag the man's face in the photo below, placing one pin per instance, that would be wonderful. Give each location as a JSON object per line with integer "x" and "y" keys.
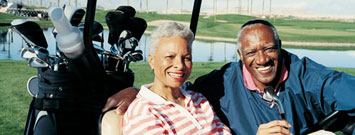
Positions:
{"x": 260, "y": 54}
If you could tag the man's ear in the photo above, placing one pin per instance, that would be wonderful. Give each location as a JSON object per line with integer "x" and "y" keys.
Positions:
{"x": 151, "y": 61}
{"x": 240, "y": 55}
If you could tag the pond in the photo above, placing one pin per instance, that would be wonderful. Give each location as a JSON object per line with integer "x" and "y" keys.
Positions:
{"x": 202, "y": 51}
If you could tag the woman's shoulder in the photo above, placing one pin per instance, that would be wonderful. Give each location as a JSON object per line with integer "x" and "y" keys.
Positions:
{"x": 195, "y": 95}
{"x": 138, "y": 106}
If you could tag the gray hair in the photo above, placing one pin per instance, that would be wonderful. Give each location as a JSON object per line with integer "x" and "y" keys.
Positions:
{"x": 170, "y": 29}
{"x": 276, "y": 35}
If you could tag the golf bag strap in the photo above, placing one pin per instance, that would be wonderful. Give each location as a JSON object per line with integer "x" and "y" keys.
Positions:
{"x": 60, "y": 91}
{"x": 30, "y": 119}
{"x": 46, "y": 104}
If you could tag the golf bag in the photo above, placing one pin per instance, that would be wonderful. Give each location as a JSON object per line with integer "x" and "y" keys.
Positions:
{"x": 72, "y": 87}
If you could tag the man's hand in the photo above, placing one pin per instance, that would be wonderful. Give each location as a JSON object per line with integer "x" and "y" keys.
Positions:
{"x": 121, "y": 99}
{"x": 274, "y": 127}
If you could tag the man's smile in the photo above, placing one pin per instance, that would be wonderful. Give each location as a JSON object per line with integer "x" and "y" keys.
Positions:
{"x": 264, "y": 69}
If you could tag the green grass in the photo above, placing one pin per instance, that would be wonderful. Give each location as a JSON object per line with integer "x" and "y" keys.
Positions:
{"x": 7, "y": 18}
{"x": 341, "y": 48}
{"x": 14, "y": 99}
{"x": 289, "y": 29}
{"x": 227, "y": 26}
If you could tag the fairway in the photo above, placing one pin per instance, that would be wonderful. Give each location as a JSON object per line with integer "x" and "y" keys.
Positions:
{"x": 314, "y": 31}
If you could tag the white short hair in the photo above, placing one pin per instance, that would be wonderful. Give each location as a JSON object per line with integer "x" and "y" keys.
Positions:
{"x": 257, "y": 23}
{"x": 170, "y": 29}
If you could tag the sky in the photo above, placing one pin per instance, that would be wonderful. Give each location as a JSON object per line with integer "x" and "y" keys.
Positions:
{"x": 332, "y": 7}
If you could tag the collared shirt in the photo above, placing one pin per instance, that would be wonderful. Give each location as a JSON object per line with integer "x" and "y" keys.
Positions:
{"x": 249, "y": 82}
{"x": 151, "y": 114}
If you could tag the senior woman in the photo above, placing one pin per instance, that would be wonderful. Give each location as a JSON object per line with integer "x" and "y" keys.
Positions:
{"x": 163, "y": 107}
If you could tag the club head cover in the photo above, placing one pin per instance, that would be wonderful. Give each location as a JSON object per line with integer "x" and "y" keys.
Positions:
{"x": 31, "y": 30}
{"x": 116, "y": 22}
{"x": 74, "y": 15}
{"x": 96, "y": 30}
{"x": 128, "y": 10}
{"x": 137, "y": 27}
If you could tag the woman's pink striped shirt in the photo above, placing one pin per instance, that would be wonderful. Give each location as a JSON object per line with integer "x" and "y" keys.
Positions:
{"x": 151, "y": 114}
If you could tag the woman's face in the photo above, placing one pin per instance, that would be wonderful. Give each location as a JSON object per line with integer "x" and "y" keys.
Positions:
{"x": 171, "y": 62}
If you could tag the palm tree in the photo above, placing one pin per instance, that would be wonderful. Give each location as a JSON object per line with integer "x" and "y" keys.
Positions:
{"x": 263, "y": 8}
{"x": 251, "y": 7}
{"x": 140, "y": 5}
{"x": 240, "y": 6}
{"x": 215, "y": 9}
{"x": 167, "y": 3}
{"x": 147, "y": 6}
{"x": 182, "y": 1}
{"x": 270, "y": 7}
{"x": 248, "y": 6}
{"x": 227, "y": 5}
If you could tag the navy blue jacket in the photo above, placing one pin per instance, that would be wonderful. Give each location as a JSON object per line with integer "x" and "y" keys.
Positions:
{"x": 310, "y": 92}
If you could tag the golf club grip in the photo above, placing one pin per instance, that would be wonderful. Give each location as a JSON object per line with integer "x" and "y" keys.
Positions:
{"x": 283, "y": 117}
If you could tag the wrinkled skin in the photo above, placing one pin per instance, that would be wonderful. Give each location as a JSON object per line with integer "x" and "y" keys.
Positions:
{"x": 172, "y": 64}
{"x": 261, "y": 55}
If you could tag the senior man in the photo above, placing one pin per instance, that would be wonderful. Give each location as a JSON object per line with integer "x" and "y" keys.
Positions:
{"x": 308, "y": 91}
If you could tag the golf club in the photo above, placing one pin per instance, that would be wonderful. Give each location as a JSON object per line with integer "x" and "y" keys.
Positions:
{"x": 270, "y": 96}
{"x": 122, "y": 41}
{"x": 27, "y": 53}
{"x": 41, "y": 52}
{"x": 132, "y": 43}
{"x": 37, "y": 63}
{"x": 131, "y": 56}
{"x": 136, "y": 55}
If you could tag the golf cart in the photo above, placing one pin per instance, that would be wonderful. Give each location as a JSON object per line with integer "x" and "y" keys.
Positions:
{"x": 71, "y": 87}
